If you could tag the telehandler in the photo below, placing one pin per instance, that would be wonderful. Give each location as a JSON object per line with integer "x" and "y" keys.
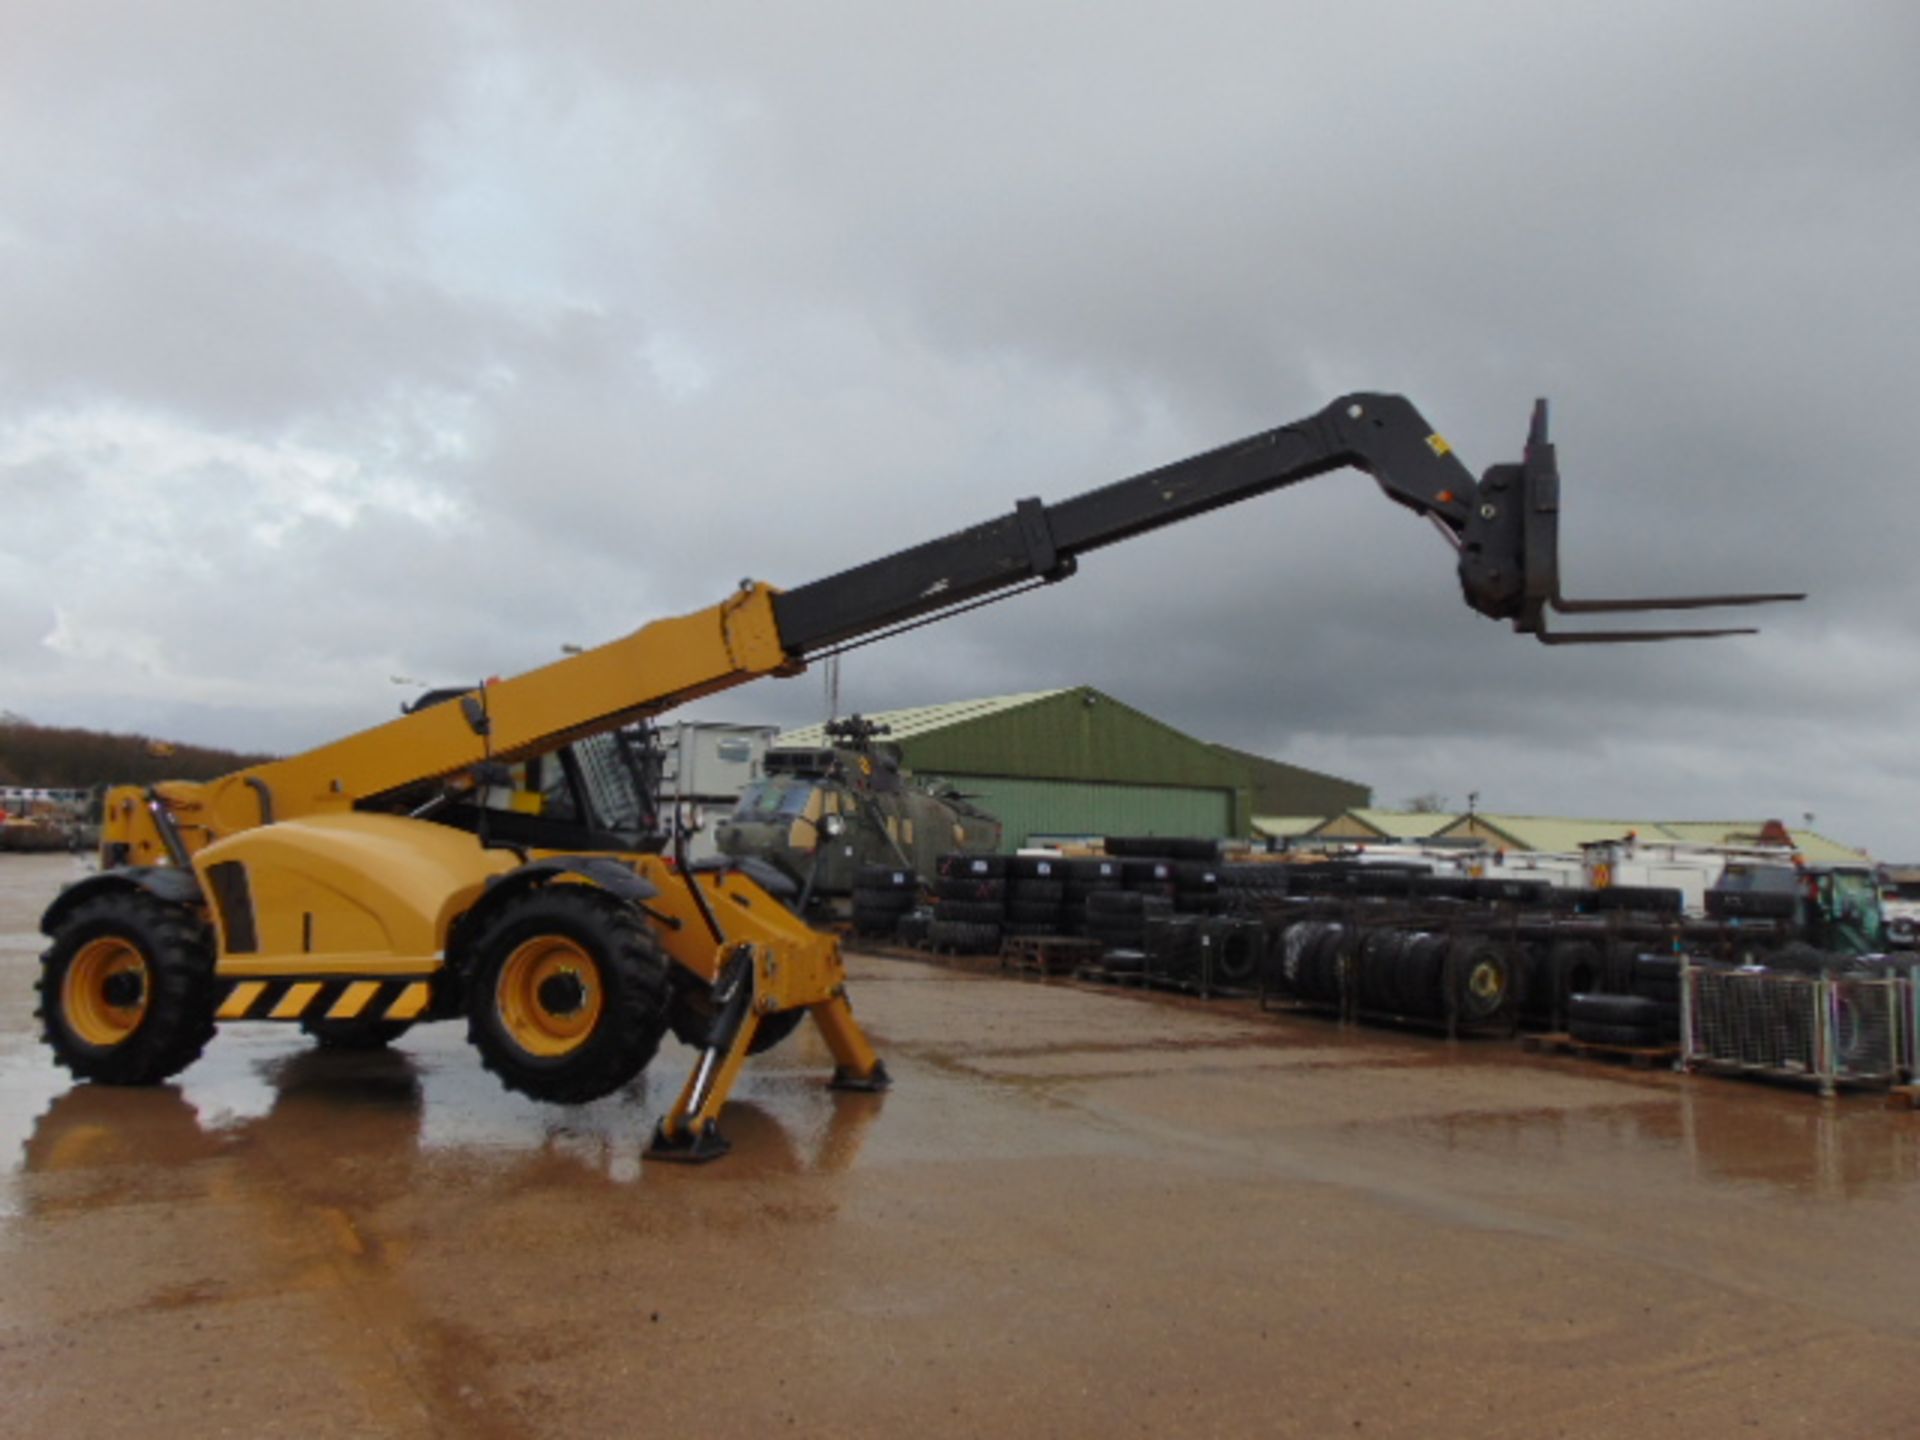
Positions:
{"x": 495, "y": 856}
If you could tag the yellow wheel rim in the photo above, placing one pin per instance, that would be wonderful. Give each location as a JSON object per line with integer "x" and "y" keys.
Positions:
{"x": 106, "y": 991}
{"x": 548, "y": 996}
{"x": 1487, "y": 981}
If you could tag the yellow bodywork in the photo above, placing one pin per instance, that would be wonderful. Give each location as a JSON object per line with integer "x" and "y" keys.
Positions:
{"x": 328, "y": 911}
{"x": 652, "y": 670}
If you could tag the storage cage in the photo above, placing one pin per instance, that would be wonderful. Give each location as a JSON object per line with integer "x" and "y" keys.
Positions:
{"x": 1825, "y": 1030}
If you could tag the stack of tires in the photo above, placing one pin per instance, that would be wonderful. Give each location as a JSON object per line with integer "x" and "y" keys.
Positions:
{"x": 1196, "y": 887}
{"x": 1118, "y": 920}
{"x": 1646, "y": 1016}
{"x": 914, "y": 926}
{"x": 1247, "y": 887}
{"x": 1150, "y": 877}
{"x": 1036, "y": 895}
{"x": 1083, "y": 877}
{"x": 1305, "y": 960}
{"x": 1638, "y": 899}
{"x": 1466, "y": 979}
{"x": 881, "y": 895}
{"x": 970, "y": 904}
{"x": 1172, "y": 946}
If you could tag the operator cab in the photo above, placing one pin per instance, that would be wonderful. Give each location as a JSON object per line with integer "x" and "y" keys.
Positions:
{"x": 595, "y": 794}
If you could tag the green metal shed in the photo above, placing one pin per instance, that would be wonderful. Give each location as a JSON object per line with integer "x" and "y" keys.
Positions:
{"x": 1078, "y": 762}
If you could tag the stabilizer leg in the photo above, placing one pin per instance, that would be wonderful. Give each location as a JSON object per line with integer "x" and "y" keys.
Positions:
{"x": 857, "y": 1066}
{"x": 689, "y": 1133}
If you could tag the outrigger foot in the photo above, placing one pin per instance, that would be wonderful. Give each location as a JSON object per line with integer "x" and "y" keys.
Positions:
{"x": 688, "y": 1147}
{"x": 872, "y": 1081}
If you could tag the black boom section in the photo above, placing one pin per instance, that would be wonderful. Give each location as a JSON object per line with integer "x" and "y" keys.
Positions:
{"x": 1382, "y": 435}
{"x": 1505, "y": 527}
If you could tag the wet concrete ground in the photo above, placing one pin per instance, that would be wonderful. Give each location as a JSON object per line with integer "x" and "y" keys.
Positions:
{"x": 1078, "y": 1213}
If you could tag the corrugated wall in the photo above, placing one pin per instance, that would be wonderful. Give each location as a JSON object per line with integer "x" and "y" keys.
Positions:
{"x": 1067, "y": 807}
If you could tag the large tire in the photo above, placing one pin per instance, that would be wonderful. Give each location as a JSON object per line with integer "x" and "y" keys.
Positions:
{"x": 1482, "y": 975}
{"x": 970, "y": 888}
{"x": 959, "y": 866}
{"x": 357, "y": 1034}
{"x": 568, "y": 994}
{"x": 1630, "y": 1011}
{"x": 1037, "y": 892}
{"x": 890, "y": 902}
{"x": 970, "y": 912}
{"x": 963, "y": 939}
{"x": 1631, "y": 1037}
{"x": 126, "y": 989}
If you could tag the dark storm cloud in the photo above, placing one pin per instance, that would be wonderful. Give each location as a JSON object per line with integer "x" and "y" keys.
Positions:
{"x": 422, "y": 339}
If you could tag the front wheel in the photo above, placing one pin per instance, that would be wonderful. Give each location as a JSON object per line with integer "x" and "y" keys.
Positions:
{"x": 126, "y": 990}
{"x": 567, "y": 995}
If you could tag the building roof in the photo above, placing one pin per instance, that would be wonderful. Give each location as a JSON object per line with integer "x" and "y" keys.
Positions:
{"x": 1564, "y": 835}
{"x": 1285, "y": 827}
{"x": 922, "y": 719}
{"x": 1403, "y": 824}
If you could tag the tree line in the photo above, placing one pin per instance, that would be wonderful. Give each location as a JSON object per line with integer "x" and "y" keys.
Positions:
{"x": 62, "y": 757}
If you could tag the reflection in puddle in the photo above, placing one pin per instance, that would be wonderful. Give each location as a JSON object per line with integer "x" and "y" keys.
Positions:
{"x": 347, "y": 1128}
{"x": 1732, "y": 1134}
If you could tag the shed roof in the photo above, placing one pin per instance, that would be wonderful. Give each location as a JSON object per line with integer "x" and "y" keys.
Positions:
{"x": 923, "y": 719}
{"x": 1564, "y": 835}
{"x": 1404, "y": 824}
{"x": 1284, "y": 827}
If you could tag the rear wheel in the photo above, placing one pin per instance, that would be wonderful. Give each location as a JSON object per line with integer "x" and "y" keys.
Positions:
{"x": 568, "y": 995}
{"x": 126, "y": 990}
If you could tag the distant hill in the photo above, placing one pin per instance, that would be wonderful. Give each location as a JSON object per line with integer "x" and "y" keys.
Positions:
{"x": 45, "y": 755}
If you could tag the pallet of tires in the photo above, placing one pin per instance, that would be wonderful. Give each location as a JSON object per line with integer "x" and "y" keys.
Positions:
{"x": 1172, "y": 946}
{"x": 1633, "y": 1022}
{"x": 881, "y": 895}
{"x": 1118, "y": 920}
{"x": 1468, "y": 979}
{"x": 1036, "y": 895}
{"x": 969, "y": 904}
{"x": 1083, "y": 876}
{"x": 1232, "y": 948}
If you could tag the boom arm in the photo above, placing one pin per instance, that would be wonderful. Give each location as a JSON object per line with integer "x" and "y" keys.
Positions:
{"x": 1505, "y": 527}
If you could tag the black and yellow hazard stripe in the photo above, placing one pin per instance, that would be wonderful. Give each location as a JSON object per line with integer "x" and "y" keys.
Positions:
{"x": 322, "y": 998}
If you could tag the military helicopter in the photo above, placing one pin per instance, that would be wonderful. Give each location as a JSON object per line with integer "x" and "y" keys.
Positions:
{"x": 823, "y": 814}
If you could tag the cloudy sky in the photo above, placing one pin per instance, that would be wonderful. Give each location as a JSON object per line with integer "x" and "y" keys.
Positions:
{"x": 400, "y": 338}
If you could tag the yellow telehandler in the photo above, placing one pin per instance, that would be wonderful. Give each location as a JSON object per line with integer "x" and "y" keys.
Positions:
{"x": 494, "y": 853}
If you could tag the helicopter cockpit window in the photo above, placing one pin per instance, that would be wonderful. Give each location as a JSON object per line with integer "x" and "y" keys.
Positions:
{"x": 794, "y": 801}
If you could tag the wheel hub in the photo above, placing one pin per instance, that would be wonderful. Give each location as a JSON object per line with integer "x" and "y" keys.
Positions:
{"x": 104, "y": 994}
{"x": 562, "y": 994}
{"x": 549, "y": 996}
